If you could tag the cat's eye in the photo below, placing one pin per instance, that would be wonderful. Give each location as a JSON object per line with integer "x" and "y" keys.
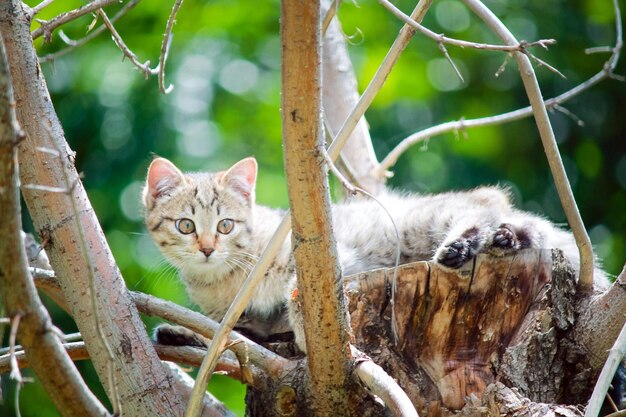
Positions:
{"x": 225, "y": 226}
{"x": 185, "y": 226}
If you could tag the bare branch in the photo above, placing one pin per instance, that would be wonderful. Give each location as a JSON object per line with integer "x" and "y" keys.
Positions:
{"x": 249, "y": 286}
{"x": 382, "y": 385}
{"x": 19, "y": 296}
{"x": 16, "y": 375}
{"x": 165, "y": 46}
{"x": 616, "y": 354}
{"x": 141, "y": 377}
{"x": 605, "y": 73}
{"x": 441, "y": 39}
{"x": 340, "y": 95}
{"x": 563, "y": 187}
{"x": 47, "y": 27}
{"x": 145, "y": 67}
{"x": 38, "y": 8}
{"x": 330, "y": 13}
{"x": 75, "y": 44}
{"x": 319, "y": 281}
{"x": 260, "y": 357}
{"x": 377, "y": 81}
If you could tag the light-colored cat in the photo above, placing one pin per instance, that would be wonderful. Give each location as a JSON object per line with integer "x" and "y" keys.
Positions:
{"x": 209, "y": 227}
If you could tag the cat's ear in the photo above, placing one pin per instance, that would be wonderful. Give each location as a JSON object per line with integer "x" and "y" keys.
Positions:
{"x": 241, "y": 178}
{"x": 163, "y": 177}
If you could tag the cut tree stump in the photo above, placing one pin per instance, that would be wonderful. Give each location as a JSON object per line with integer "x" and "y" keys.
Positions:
{"x": 498, "y": 319}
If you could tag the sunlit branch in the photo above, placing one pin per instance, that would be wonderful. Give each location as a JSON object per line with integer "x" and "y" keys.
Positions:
{"x": 249, "y": 286}
{"x": 47, "y": 27}
{"x": 605, "y": 73}
{"x": 563, "y": 187}
{"x": 442, "y": 39}
{"x": 165, "y": 46}
{"x": 145, "y": 67}
{"x": 385, "y": 387}
{"x": 94, "y": 33}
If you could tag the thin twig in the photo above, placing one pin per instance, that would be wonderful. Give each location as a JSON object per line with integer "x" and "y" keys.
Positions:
{"x": 75, "y": 44}
{"x": 569, "y": 114}
{"x": 616, "y": 354}
{"x": 165, "y": 47}
{"x": 332, "y": 12}
{"x": 555, "y": 162}
{"x": 440, "y": 38}
{"x": 47, "y": 27}
{"x": 38, "y": 8}
{"x": 16, "y": 375}
{"x": 145, "y": 67}
{"x": 443, "y": 50}
{"x": 605, "y": 73}
{"x": 385, "y": 387}
{"x": 46, "y": 188}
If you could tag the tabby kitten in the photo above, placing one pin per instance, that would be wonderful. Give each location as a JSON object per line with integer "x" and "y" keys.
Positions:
{"x": 209, "y": 227}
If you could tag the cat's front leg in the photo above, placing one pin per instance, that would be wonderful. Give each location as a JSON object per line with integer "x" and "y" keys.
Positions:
{"x": 167, "y": 334}
{"x": 456, "y": 251}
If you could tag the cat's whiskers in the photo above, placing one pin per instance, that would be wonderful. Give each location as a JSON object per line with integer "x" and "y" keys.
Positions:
{"x": 162, "y": 269}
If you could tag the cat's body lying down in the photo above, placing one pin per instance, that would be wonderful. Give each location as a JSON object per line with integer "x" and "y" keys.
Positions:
{"x": 209, "y": 227}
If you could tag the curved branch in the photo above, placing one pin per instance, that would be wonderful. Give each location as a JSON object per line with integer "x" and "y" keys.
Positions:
{"x": 165, "y": 46}
{"x": 180, "y": 354}
{"x": 563, "y": 187}
{"x": 382, "y": 385}
{"x": 47, "y": 27}
{"x": 94, "y": 33}
{"x": 441, "y": 39}
{"x": 607, "y": 72}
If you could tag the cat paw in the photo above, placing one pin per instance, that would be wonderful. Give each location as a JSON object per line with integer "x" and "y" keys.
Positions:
{"x": 505, "y": 239}
{"x": 459, "y": 251}
{"x": 166, "y": 334}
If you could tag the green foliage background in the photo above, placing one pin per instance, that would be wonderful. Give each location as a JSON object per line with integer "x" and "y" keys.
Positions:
{"x": 225, "y": 66}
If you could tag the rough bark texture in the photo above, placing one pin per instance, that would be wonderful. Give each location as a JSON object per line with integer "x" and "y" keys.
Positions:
{"x": 35, "y": 330}
{"x": 315, "y": 253}
{"x": 142, "y": 381}
{"x": 493, "y": 339}
{"x": 462, "y": 331}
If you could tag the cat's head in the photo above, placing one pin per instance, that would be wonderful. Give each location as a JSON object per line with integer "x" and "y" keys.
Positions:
{"x": 201, "y": 221}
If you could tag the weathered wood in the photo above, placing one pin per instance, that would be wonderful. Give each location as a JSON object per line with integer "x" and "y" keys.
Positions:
{"x": 460, "y": 331}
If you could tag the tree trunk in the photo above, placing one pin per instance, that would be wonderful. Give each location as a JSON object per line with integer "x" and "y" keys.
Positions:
{"x": 63, "y": 216}
{"x": 467, "y": 337}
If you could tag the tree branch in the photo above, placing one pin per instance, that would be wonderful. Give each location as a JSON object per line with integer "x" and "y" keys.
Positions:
{"x": 320, "y": 285}
{"x": 616, "y": 354}
{"x": 607, "y": 72}
{"x": 441, "y": 39}
{"x": 141, "y": 378}
{"x": 181, "y": 354}
{"x": 385, "y": 387}
{"x": 340, "y": 95}
{"x": 165, "y": 46}
{"x": 47, "y": 27}
{"x": 91, "y": 35}
{"x": 563, "y": 187}
{"x": 377, "y": 81}
{"x": 36, "y": 331}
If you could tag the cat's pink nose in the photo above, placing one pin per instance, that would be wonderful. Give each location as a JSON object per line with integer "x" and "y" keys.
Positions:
{"x": 207, "y": 251}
